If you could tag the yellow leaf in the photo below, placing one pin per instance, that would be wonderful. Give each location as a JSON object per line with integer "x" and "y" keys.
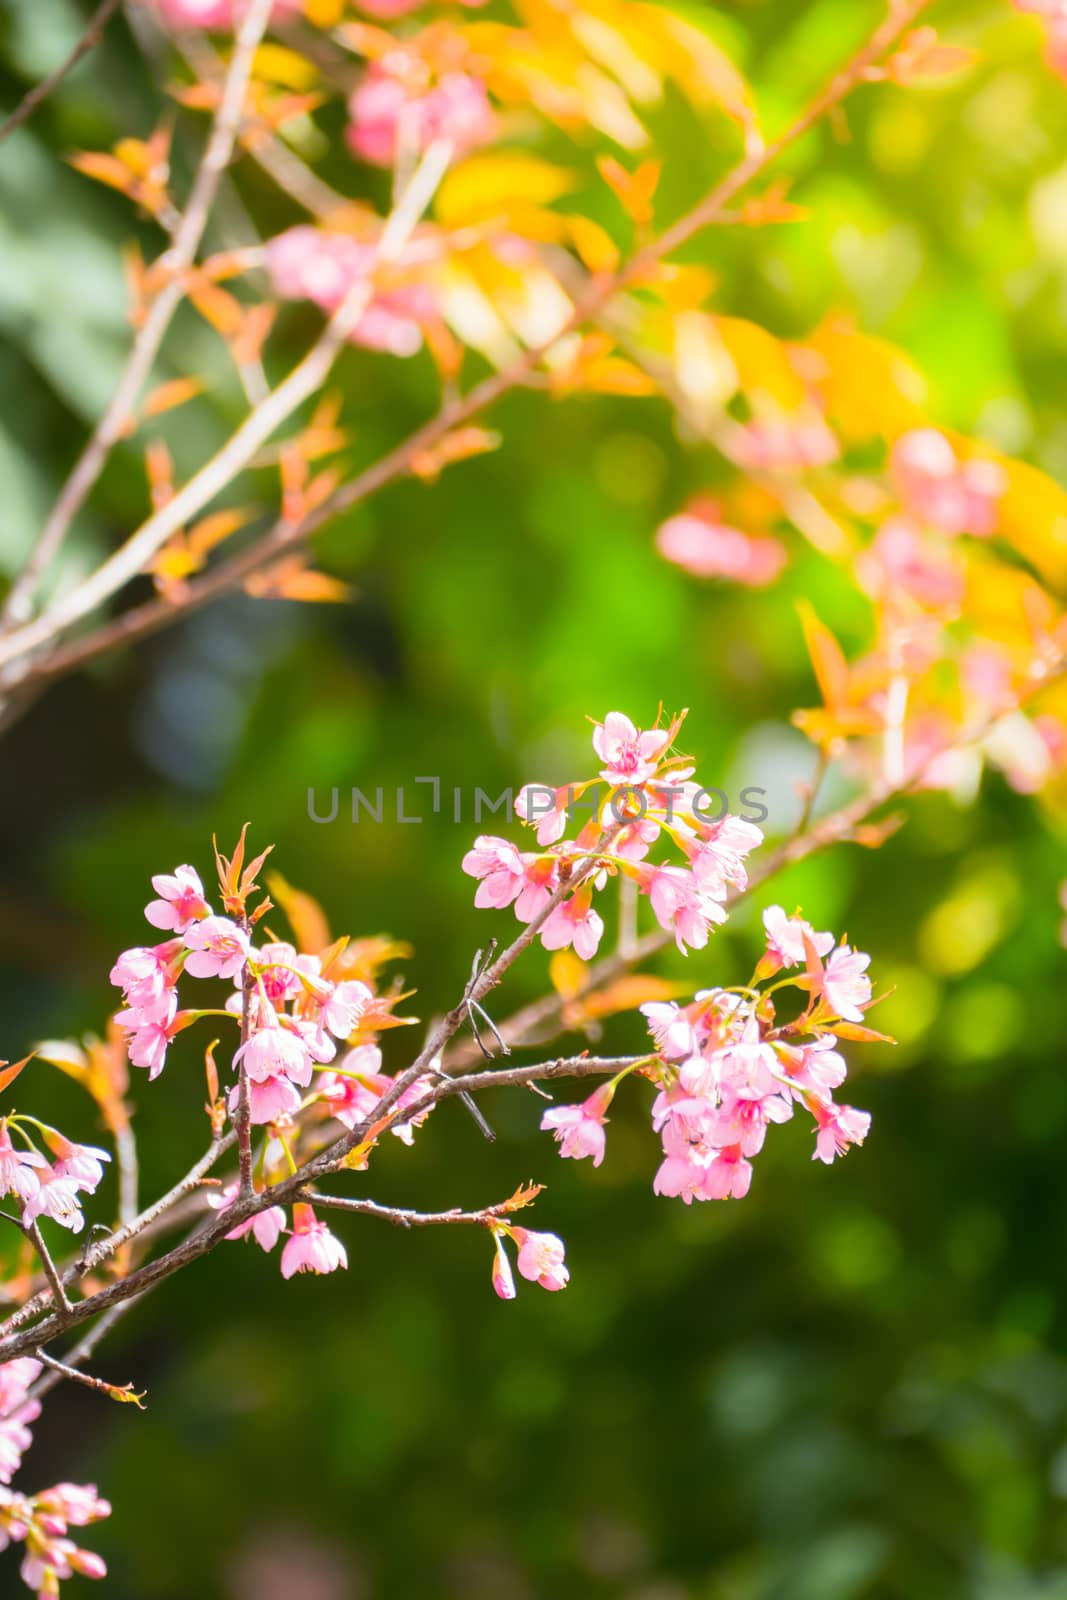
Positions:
{"x": 1033, "y": 518}
{"x": 485, "y": 185}
{"x": 274, "y": 63}
{"x": 567, "y": 974}
{"x": 869, "y": 388}
{"x": 215, "y": 527}
{"x": 597, "y": 249}
{"x": 763, "y": 362}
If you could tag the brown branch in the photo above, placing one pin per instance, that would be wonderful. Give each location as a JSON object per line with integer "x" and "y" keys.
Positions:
{"x": 403, "y": 1217}
{"x": 113, "y": 1391}
{"x": 217, "y": 154}
{"x": 58, "y": 1292}
{"x": 21, "y": 1340}
{"x": 78, "y": 1353}
{"x": 457, "y": 411}
{"x": 96, "y": 1254}
{"x": 40, "y": 92}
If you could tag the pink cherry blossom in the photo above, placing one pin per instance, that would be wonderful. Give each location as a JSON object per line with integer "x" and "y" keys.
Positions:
{"x": 681, "y": 907}
{"x": 217, "y": 14}
{"x": 901, "y": 561}
{"x": 81, "y": 1163}
{"x": 785, "y": 940}
{"x": 700, "y": 543}
{"x": 839, "y": 1127}
{"x": 147, "y": 1039}
{"x": 544, "y": 809}
{"x": 311, "y": 1247}
{"x": 343, "y": 1006}
{"x": 181, "y": 900}
{"x": 275, "y": 1052}
{"x": 789, "y": 442}
{"x": 579, "y": 1130}
{"x": 629, "y": 756}
{"x": 845, "y": 984}
{"x": 316, "y": 264}
{"x": 217, "y": 947}
{"x": 503, "y": 1279}
{"x": 147, "y": 977}
{"x": 671, "y": 1028}
{"x": 499, "y": 866}
{"x": 265, "y": 1227}
{"x": 271, "y": 1100}
{"x": 727, "y": 1176}
{"x": 541, "y": 1258}
{"x": 17, "y": 1411}
{"x": 717, "y": 855}
{"x": 354, "y": 1091}
{"x": 815, "y": 1068}
{"x": 392, "y": 111}
{"x": 18, "y": 1174}
{"x": 75, "y": 1504}
{"x": 938, "y": 488}
{"x": 574, "y": 922}
{"x": 58, "y": 1198}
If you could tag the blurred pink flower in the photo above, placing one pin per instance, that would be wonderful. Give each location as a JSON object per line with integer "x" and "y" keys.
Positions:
{"x": 391, "y": 114}
{"x": 698, "y": 542}
{"x": 938, "y": 488}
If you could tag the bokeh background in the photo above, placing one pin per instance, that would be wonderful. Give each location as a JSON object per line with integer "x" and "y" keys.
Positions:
{"x": 852, "y": 1384}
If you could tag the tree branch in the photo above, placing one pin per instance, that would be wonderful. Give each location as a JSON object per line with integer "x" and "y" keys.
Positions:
{"x": 40, "y": 92}
{"x": 217, "y": 154}
{"x": 284, "y": 537}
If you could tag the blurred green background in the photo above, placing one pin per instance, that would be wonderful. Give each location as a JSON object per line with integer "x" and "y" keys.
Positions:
{"x": 854, "y": 1383}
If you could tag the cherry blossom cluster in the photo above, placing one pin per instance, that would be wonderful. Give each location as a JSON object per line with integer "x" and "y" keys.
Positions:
{"x": 650, "y": 795}
{"x": 297, "y": 1018}
{"x": 325, "y": 267}
{"x": 52, "y": 1184}
{"x": 401, "y": 108}
{"x": 727, "y": 1067}
{"x": 41, "y": 1522}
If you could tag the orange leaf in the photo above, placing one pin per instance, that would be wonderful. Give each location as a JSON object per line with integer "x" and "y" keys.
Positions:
{"x": 634, "y": 190}
{"x": 922, "y": 56}
{"x": 292, "y": 580}
{"x": 214, "y": 528}
{"x": 175, "y": 392}
{"x": 460, "y": 445}
{"x": 306, "y": 917}
{"x": 9, "y": 1074}
{"x": 827, "y": 658}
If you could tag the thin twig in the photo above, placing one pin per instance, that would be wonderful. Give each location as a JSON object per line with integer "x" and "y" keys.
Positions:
{"x": 257, "y": 428}
{"x": 59, "y": 1293}
{"x": 217, "y": 154}
{"x": 40, "y": 92}
{"x": 113, "y": 1391}
{"x": 404, "y": 1217}
{"x": 456, "y": 411}
{"x": 81, "y": 1351}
